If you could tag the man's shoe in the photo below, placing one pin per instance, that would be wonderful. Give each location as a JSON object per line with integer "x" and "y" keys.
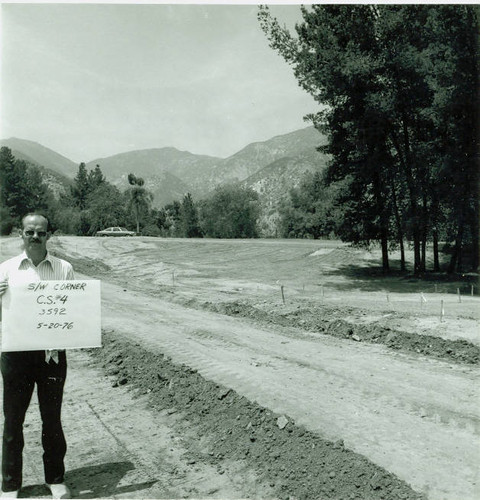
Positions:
{"x": 59, "y": 490}
{"x": 10, "y": 494}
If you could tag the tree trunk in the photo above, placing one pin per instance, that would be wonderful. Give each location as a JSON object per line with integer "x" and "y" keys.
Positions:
{"x": 434, "y": 223}
{"x": 460, "y": 254}
{"x": 385, "y": 262}
{"x": 380, "y": 199}
{"x": 474, "y": 224}
{"x": 456, "y": 259}
{"x": 398, "y": 221}
{"x": 405, "y": 161}
{"x": 137, "y": 218}
{"x": 403, "y": 266}
{"x": 424, "y": 251}
{"x": 436, "y": 261}
{"x": 416, "y": 248}
{"x": 423, "y": 263}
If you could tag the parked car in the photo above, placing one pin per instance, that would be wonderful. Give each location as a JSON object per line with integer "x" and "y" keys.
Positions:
{"x": 115, "y": 231}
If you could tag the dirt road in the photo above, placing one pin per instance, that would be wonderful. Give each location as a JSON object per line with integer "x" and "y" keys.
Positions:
{"x": 419, "y": 420}
{"x": 417, "y": 417}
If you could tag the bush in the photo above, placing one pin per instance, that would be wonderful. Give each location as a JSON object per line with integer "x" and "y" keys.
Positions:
{"x": 7, "y": 222}
{"x": 151, "y": 230}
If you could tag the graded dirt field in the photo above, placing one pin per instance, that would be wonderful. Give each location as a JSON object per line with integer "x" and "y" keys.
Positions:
{"x": 271, "y": 369}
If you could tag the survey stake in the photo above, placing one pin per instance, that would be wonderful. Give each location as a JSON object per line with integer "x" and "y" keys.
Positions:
{"x": 51, "y": 315}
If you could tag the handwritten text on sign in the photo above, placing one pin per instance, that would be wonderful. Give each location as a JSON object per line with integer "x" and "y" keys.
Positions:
{"x": 51, "y": 315}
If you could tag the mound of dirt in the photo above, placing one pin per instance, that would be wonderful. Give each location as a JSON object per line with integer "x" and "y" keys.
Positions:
{"x": 293, "y": 461}
{"x": 328, "y": 321}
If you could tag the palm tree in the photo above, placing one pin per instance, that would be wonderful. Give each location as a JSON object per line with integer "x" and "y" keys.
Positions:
{"x": 140, "y": 198}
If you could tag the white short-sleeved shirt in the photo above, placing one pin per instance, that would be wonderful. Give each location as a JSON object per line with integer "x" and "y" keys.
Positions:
{"x": 20, "y": 269}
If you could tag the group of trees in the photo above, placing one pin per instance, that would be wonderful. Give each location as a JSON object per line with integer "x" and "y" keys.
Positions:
{"x": 398, "y": 85}
{"x": 230, "y": 212}
{"x": 92, "y": 203}
{"x": 311, "y": 210}
{"x": 21, "y": 190}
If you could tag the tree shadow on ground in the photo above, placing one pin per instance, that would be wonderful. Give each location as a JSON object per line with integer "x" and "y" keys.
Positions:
{"x": 372, "y": 278}
{"x": 94, "y": 481}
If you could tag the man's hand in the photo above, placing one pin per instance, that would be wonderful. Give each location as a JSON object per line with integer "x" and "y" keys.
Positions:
{"x": 3, "y": 287}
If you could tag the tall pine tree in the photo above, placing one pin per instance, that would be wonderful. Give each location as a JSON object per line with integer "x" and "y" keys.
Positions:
{"x": 399, "y": 90}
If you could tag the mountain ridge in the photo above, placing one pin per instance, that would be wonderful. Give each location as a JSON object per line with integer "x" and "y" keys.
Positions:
{"x": 39, "y": 155}
{"x": 270, "y": 167}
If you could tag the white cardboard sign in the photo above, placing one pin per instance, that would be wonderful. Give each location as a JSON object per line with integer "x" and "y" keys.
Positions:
{"x": 51, "y": 315}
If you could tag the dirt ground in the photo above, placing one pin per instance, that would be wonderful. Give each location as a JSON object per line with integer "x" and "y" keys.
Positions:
{"x": 217, "y": 385}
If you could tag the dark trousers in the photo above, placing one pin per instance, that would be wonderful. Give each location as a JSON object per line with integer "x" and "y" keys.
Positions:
{"x": 20, "y": 372}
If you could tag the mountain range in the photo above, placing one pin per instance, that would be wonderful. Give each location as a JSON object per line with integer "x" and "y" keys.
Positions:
{"x": 270, "y": 167}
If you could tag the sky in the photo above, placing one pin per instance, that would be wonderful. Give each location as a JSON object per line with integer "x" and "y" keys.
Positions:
{"x": 94, "y": 80}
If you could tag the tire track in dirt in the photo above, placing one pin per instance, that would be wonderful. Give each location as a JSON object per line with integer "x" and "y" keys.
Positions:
{"x": 339, "y": 401}
{"x": 416, "y": 405}
{"x": 416, "y": 400}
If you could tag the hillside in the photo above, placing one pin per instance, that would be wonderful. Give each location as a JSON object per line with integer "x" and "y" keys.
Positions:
{"x": 36, "y": 154}
{"x": 274, "y": 182}
{"x": 152, "y": 163}
{"x": 58, "y": 183}
{"x": 270, "y": 167}
{"x": 200, "y": 174}
{"x": 258, "y": 155}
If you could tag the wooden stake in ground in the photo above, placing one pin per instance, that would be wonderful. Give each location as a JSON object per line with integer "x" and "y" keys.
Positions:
{"x": 459, "y": 296}
{"x": 442, "y": 311}
{"x": 471, "y": 290}
{"x": 281, "y": 290}
{"x": 422, "y": 299}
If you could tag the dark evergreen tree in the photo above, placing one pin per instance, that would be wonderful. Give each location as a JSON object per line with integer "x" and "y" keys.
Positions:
{"x": 170, "y": 219}
{"x": 399, "y": 89}
{"x": 189, "y": 218}
{"x": 16, "y": 193}
{"x": 95, "y": 178}
{"x": 22, "y": 190}
{"x": 7, "y": 169}
{"x": 80, "y": 187}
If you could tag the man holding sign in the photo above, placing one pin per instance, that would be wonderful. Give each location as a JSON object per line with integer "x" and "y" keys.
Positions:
{"x": 21, "y": 370}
